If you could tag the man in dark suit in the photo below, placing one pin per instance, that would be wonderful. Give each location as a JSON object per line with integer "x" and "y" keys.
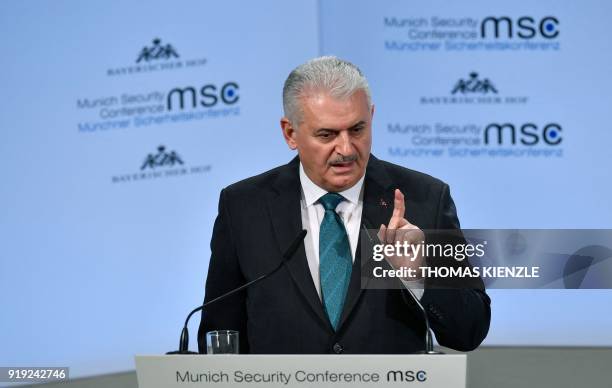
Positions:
{"x": 315, "y": 303}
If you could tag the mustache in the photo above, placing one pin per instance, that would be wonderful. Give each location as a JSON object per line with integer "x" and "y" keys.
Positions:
{"x": 343, "y": 159}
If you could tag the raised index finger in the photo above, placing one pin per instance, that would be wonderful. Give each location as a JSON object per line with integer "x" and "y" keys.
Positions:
{"x": 398, "y": 210}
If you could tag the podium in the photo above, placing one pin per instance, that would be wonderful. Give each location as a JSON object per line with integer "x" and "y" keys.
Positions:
{"x": 427, "y": 371}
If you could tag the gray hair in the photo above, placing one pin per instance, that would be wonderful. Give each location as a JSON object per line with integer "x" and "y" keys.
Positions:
{"x": 331, "y": 74}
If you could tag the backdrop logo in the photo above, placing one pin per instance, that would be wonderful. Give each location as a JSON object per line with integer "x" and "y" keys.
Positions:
{"x": 158, "y": 56}
{"x": 471, "y": 33}
{"x": 211, "y": 101}
{"x": 208, "y": 96}
{"x": 161, "y": 164}
{"x": 525, "y": 27}
{"x": 471, "y": 140}
{"x": 528, "y": 134}
{"x": 473, "y": 90}
{"x": 157, "y": 51}
{"x": 161, "y": 159}
{"x": 474, "y": 85}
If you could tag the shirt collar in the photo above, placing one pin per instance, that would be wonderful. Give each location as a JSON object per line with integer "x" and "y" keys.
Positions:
{"x": 312, "y": 192}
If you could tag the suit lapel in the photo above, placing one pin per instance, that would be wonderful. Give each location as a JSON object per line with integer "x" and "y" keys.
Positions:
{"x": 285, "y": 213}
{"x": 377, "y": 209}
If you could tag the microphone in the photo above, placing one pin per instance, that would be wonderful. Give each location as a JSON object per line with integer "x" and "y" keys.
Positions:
{"x": 428, "y": 334}
{"x": 184, "y": 340}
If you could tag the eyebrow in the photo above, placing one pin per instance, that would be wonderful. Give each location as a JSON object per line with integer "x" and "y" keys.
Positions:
{"x": 360, "y": 123}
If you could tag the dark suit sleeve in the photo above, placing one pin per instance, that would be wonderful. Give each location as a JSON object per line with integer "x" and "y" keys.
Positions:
{"x": 460, "y": 317}
{"x": 224, "y": 274}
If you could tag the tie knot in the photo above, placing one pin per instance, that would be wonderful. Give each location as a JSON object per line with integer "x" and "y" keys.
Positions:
{"x": 331, "y": 200}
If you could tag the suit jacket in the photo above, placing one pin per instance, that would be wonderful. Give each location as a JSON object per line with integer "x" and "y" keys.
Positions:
{"x": 258, "y": 219}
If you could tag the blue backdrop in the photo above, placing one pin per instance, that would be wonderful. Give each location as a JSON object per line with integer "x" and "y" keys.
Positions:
{"x": 121, "y": 122}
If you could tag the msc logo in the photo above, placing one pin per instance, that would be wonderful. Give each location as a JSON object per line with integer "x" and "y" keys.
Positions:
{"x": 474, "y": 85}
{"x": 161, "y": 158}
{"x": 209, "y": 96}
{"x": 157, "y": 51}
{"x": 525, "y": 27}
{"x": 527, "y": 134}
{"x": 406, "y": 376}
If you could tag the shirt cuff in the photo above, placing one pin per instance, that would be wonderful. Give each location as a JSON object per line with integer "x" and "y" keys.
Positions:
{"x": 416, "y": 286}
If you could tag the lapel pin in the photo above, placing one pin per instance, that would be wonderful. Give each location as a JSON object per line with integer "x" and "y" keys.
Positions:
{"x": 383, "y": 203}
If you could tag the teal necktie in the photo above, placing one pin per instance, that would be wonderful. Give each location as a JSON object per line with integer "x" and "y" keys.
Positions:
{"x": 335, "y": 261}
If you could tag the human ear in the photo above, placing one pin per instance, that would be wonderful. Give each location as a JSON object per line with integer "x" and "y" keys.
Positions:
{"x": 288, "y": 132}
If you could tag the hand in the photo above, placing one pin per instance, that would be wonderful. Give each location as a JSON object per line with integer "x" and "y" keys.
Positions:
{"x": 400, "y": 230}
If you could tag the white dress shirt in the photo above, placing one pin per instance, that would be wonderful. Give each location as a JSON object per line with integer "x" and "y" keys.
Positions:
{"x": 349, "y": 212}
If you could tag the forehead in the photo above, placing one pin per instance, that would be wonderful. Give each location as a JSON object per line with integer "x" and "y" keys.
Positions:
{"x": 321, "y": 109}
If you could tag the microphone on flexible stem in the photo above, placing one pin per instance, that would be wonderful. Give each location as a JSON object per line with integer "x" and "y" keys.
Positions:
{"x": 184, "y": 340}
{"x": 428, "y": 334}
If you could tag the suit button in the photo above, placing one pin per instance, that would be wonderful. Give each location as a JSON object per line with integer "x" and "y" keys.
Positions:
{"x": 435, "y": 312}
{"x": 338, "y": 348}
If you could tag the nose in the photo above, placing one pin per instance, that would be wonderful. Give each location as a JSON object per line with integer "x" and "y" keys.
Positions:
{"x": 343, "y": 145}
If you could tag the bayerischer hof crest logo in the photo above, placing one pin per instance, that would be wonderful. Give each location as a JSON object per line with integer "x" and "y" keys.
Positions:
{"x": 473, "y": 90}
{"x": 161, "y": 164}
{"x": 159, "y": 56}
{"x": 474, "y": 85}
{"x": 161, "y": 158}
{"x": 157, "y": 51}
